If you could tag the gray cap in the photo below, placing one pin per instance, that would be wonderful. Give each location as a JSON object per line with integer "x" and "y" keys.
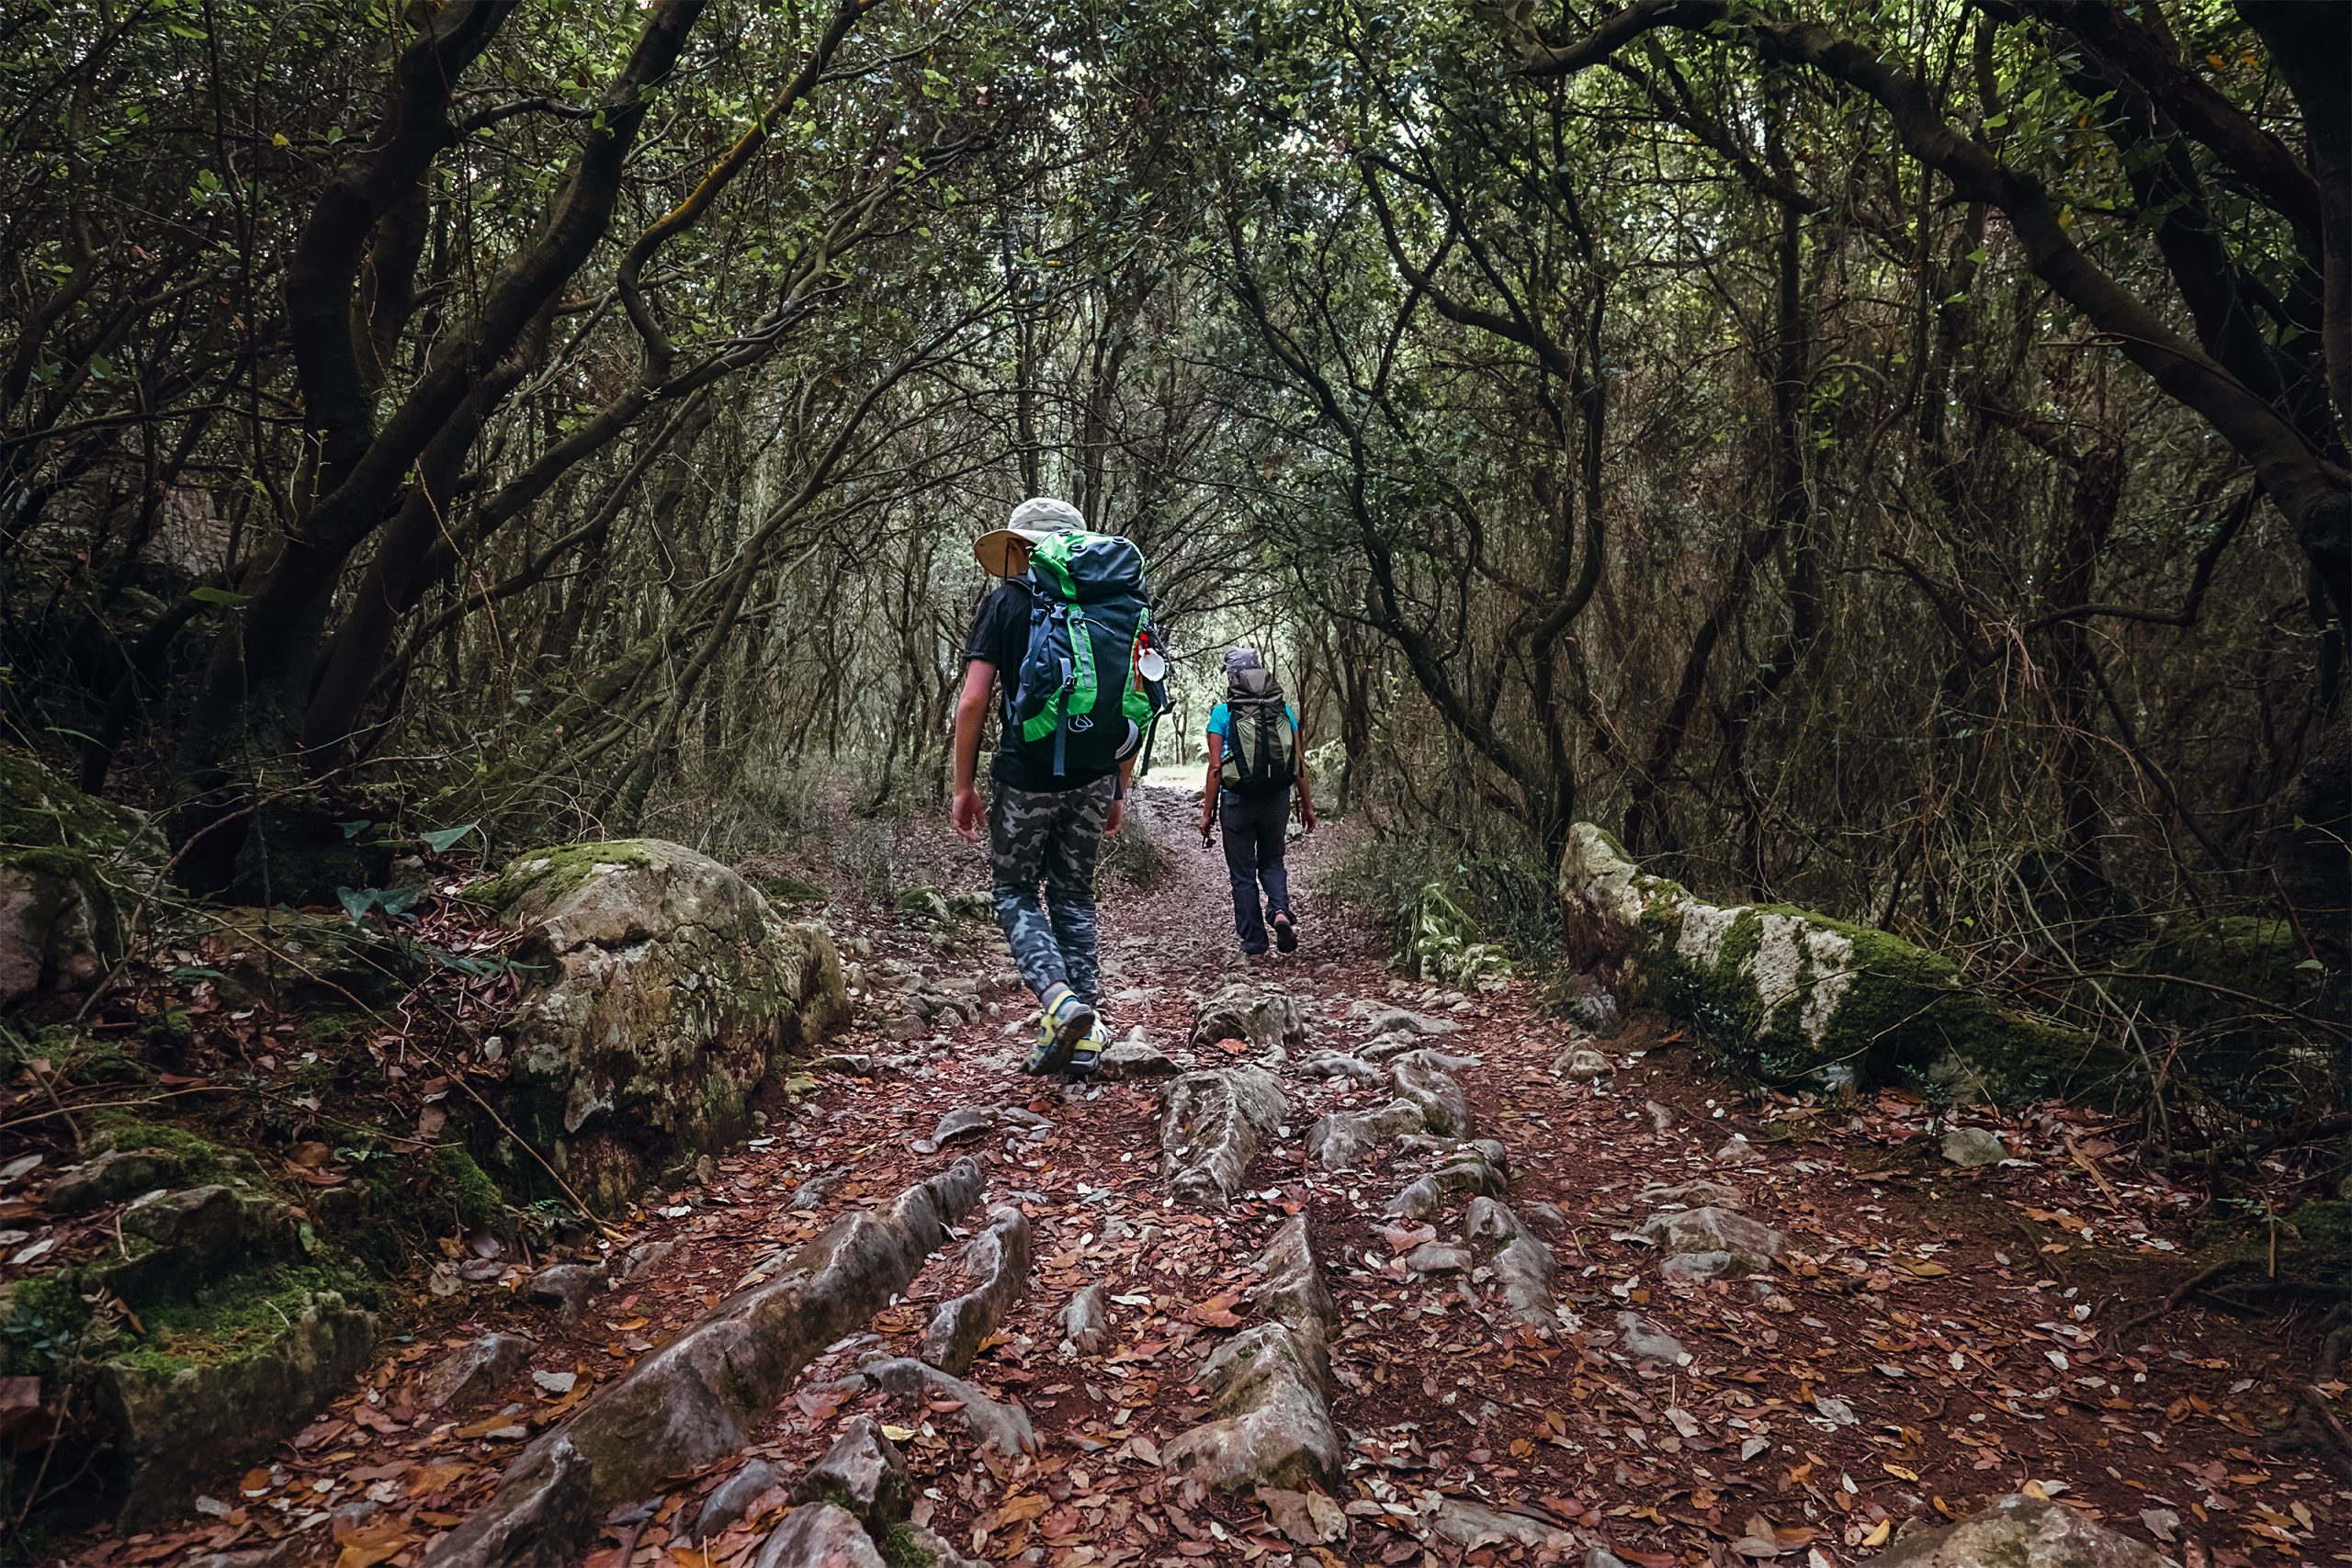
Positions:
{"x": 1243, "y": 657}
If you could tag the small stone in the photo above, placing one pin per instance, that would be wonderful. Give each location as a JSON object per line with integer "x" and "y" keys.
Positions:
{"x": 863, "y": 1473}
{"x": 1086, "y": 1320}
{"x": 1134, "y": 1057}
{"x": 1971, "y": 1146}
{"x": 733, "y": 1499}
{"x": 818, "y": 1536}
{"x": 566, "y": 1287}
{"x": 1339, "y": 1065}
{"x": 1737, "y": 1150}
{"x": 2020, "y": 1532}
{"x": 1650, "y": 1342}
{"x": 557, "y": 1384}
{"x": 1439, "y": 1258}
{"x": 1582, "y": 1065}
{"x": 476, "y": 1368}
{"x": 644, "y": 1257}
{"x": 1714, "y": 1243}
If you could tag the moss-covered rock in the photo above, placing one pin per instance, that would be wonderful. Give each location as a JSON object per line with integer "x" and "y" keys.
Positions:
{"x": 662, "y": 985}
{"x": 1785, "y": 994}
{"x": 73, "y": 870}
{"x": 226, "y": 1378}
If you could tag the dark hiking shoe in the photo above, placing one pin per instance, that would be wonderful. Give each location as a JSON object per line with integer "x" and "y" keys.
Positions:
{"x": 1059, "y": 1029}
{"x": 1285, "y": 933}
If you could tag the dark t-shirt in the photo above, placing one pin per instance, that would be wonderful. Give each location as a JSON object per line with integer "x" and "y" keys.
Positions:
{"x": 1001, "y": 636}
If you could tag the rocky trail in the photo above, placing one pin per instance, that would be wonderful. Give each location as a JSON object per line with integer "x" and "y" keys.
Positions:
{"x": 1328, "y": 1266}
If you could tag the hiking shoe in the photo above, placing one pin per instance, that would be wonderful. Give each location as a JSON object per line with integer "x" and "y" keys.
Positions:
{"x": 1059, "y": 1029}
{"x": 1088, "y": 1053}
{"x": 1285, "y": 933}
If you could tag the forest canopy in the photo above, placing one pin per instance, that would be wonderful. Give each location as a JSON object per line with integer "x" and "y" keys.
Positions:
{"x": 1884, "y": 457}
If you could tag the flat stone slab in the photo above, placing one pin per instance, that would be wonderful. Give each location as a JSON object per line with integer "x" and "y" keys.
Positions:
{"x": 1467, "y": 1526}
{"x": 1689, "y": 1195}
{"x": 820, "y": 1536}
{"x": 1133, "y": 1058}
{"x": 733, "y": 1498}
{"x": 1445, "y": 1110}
{"x": 1344, "y": 1137}
{"x": 1381, "y": 1018}
{"x": 1470, "y": 1167}
{"x": 1339, "y": 1065}
{"x": 1971, "y": 1146}
{"x": 1522, "y": 1265}
{"x": 703, "y": 1395}
{"x": 1647, "y": 1341}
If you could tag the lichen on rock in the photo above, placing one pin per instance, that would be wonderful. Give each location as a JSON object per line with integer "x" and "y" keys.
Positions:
{"x": 1785, "y": 993}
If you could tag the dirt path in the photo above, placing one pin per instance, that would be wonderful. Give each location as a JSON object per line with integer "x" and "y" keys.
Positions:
{"x": 1932, "y": 1335}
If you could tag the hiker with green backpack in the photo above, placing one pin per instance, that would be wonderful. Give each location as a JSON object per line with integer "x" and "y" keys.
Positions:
{"x": 1254, "y": 752}
{"x": 1067, "y": 644}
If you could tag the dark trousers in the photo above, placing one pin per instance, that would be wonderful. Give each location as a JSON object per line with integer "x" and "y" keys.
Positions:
{"x": 1254, "y": 826}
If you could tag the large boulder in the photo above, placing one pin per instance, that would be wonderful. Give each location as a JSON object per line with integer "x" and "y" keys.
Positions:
{"x": 2020, "y": 1532}
{"x": 1785, "y": 993}
{"x": 73, "y": 870}
{"x": 663, "y": 990}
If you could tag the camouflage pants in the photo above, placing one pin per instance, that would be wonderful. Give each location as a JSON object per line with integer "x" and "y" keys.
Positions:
{"x": 1053, "y": 838}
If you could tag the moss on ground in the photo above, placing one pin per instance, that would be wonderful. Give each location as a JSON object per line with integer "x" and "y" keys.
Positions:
{"x": 900, "y": 1549}
{"x": 460, "y": 1182}
{"x": 200, "y": 1160}
{"x": 2323, "y": 1239}
{"x": 792, "y": 890}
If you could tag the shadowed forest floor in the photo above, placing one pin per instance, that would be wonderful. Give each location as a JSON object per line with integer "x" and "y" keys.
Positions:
{"x": 1935, "y": 1336}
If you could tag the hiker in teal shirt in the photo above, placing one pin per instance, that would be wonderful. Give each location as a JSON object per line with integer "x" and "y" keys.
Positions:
{"x": 1254, "y": 760}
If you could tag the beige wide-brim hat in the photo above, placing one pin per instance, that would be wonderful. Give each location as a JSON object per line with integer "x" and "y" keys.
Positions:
{"x": 1004, "y": 552}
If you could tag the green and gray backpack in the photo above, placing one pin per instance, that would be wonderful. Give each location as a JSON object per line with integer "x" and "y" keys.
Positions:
{"x": 1079, "y": 705}
{"x": 1261, "y": 746}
